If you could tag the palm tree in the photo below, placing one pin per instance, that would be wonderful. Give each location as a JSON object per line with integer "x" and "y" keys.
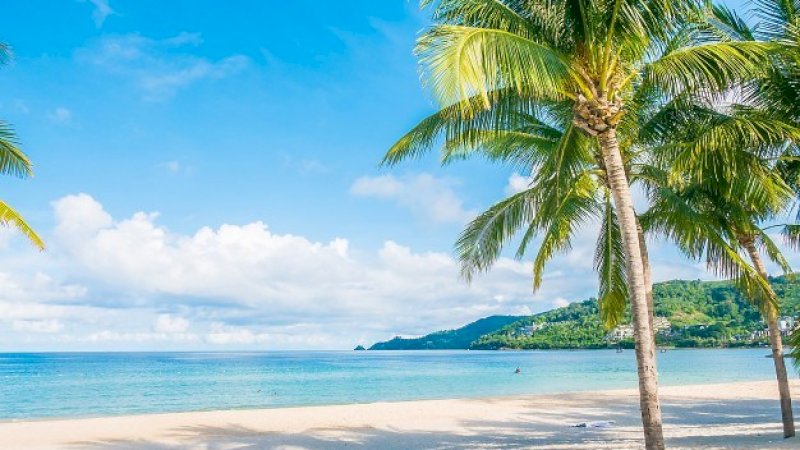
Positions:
{"x": 712, "y": 212}
{"x": 14, "y": 162}
{"x": 696, "y": 215}
{"x": 592, "y": 55}
{"x": 777, "y": 92}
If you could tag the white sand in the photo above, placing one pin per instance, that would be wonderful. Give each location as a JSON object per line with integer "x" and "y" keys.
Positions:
{"x": 735, "y": 415}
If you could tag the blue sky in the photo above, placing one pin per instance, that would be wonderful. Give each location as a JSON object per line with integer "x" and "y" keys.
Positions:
{"x": 207, "y": 177}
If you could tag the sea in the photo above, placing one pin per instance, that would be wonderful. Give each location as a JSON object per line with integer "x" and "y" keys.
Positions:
{"x": 50, "y": 385}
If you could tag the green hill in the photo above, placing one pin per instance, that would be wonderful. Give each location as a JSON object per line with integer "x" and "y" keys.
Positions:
{"x": 460, "y": 338}
{"x": 699, "y": 314}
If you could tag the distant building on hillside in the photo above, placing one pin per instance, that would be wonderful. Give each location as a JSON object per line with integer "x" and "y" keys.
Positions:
{"x": 626, "y": 331}
{"x": 620, "y": 332}
{"x": 786, "y": 324}
{"x": 759, "y": 334}
{"x": 532, "y": 328}
{"x": 661, "y": 324}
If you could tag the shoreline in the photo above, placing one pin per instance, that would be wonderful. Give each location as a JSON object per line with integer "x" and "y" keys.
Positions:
{"x": 726, "y": 415}
{"x": 662, "y": 386}
{"x": 346, "y": 350}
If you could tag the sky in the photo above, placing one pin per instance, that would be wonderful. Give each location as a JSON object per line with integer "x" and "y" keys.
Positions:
{"x": 207, "y": 178}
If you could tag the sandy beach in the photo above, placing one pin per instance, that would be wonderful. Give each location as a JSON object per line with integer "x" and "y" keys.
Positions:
{"x": 735, "y": 415}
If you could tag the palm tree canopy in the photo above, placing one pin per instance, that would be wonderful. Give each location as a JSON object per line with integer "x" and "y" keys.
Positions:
{"x": 555, "y": 50}
{"x": 511, "y": 74}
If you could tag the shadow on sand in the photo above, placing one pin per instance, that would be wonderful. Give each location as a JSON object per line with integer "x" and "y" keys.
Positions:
{"x": 690, "y": 424}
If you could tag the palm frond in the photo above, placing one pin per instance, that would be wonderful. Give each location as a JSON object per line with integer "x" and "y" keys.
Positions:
{"x": 10, "y": 217}
{"x": 609, "y": 263}
{"x": 517, "y": 148}
{"x": 502, "y": 15}
{"x": 776, "y": 17}
{"x": 12, "y": 159}
{"x": 791, "y": 235}
{"x": 794, "y": 347}
{"x": 5, "y": 53}
{"x": 711, "y": 67}
{"x": 451, "y": 123}
{"x": 483, "y": 239}
{"x": 725, "y": 24}
{"x": 564, "y": 215}
{"x": 723, "y": 144}
{"x": 772, "y": 250}
{"x": 460, "y": 62}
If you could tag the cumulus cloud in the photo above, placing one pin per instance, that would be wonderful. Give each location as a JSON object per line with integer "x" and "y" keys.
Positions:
{"x": 426, "y": 196}
{"x": 159, "y": 68}
{"x": 246, "y": 285}
{"x": 517, "y": 183}
{"x": 79, "y": 214}
{"x": 560, "y": 302}
{"x": 131, "y": 282}
{"x": 166, "y": 323}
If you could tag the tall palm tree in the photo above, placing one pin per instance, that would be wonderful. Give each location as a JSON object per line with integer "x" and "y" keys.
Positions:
{"x": 592, "y": 55}
{"x": 14, "y": 162}
{"x": 710, "y": 211}
{"x": 777, "y": 91}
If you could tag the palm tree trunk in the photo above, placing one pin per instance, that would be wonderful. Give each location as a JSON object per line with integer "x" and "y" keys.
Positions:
{"x": 777, "y": 345}
{"x": 645, "y": 348}
{"x": 648, "y": 279}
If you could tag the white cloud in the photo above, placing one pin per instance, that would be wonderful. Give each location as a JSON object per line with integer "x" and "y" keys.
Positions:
{"x": 243, "y": 284}
{"x": 37, "y": 326}
{"x": 133, "y": 283}
{"x": 184, "y": 38}
{"x": 166, "y": 323}
{"x": 101, "y": 11}
{"x": 429, "y": 197}
{"x": 108, "y": 336}
{"x": 158, "y": 67}
{"x": 517, "y": 183}
{"x": 560, "y": 302}
{"x": 227, "y": 336}
{"x": 221, "y": 334}
{"x": 79, "y": 214}
{"x": 639, "y": 197}
{"x": 61, "y": 115}
{"x": 7, "y": 234}
{"x": 17, "y": 289}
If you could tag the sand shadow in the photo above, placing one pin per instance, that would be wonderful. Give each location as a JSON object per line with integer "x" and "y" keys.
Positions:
{"x": 689, "y": 424}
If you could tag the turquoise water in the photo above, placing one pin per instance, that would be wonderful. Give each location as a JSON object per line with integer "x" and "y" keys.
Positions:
{"x": 99, "y": 384}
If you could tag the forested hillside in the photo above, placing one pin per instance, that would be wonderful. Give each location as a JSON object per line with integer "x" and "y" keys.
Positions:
{"x": 700, "y": 314}
{"x": 460, "y": 338}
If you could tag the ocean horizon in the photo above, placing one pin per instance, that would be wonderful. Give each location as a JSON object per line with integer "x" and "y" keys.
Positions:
{"x": 96, "y": 384}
